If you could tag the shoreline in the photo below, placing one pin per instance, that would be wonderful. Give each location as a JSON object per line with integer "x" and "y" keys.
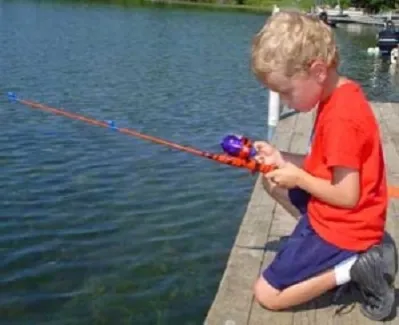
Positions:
{"x": 267, "y": 8}
{"x": 209, "y": 6}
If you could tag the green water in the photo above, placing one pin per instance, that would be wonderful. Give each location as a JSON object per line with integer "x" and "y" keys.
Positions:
{"x": 100, "y": 228}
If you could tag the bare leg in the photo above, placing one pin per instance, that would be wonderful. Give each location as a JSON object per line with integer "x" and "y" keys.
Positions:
{"x": 281, "y": 196}
{"x": 297, "y": 294}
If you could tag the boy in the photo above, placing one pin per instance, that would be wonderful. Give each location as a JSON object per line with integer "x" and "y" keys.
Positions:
{"x": 338, "y": 191}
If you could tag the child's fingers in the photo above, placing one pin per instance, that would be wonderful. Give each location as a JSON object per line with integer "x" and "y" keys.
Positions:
{"x": 275, "y": 176}
{"x": 270, "y": 175}
{"x": 260, "y": 159}
{"x": 265, "y": 159}
{"x": 264, "y": 147}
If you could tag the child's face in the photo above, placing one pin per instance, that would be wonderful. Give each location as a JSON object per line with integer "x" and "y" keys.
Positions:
{"x": 301, "y": 92}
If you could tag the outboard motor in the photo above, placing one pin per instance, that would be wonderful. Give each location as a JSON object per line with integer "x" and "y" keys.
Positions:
{"x": 388, "y": 39}
{"x": 324, "y": 18}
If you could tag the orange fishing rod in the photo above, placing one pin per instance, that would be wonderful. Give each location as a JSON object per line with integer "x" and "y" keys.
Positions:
{"x": 239, "y": 158}
{"x": 238, "y": 162}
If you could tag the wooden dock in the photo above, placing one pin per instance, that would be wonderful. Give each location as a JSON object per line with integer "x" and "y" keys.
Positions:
{"x": 265, "y": 222}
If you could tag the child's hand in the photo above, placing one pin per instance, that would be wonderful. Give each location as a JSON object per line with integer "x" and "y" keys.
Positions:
{"x": 267, "y": 154}
{"x": 287, "y": 176}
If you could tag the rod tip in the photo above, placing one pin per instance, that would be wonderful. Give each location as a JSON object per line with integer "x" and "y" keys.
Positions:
{"x": 12, "y": 97}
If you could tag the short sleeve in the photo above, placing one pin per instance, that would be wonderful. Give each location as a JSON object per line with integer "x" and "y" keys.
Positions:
{"x": 343, "y": 143}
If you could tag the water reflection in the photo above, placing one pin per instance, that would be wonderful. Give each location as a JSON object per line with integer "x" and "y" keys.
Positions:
{"x": 378, "y": 77}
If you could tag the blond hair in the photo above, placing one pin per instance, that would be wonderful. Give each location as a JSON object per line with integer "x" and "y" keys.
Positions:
{"x": 289, "y": 42}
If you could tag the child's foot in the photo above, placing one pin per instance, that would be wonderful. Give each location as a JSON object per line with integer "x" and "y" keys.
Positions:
{"x": 374, "y": 272}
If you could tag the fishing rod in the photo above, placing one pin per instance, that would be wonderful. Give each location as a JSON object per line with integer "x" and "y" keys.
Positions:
{"x": 239, "y": 149}
{"x": 242, "y": 160}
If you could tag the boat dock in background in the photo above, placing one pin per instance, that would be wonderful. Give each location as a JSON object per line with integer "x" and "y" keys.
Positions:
{"x": 359, "y": 17}
{"x": 362, "y": 20}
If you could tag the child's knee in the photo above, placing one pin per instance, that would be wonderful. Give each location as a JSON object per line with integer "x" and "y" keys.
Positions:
{"x": 266, "y": 295}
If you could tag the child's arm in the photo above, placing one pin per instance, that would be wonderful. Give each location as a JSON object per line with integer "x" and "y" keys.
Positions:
{"x": 343, "y": 191}
{"x": 345, "y": 139}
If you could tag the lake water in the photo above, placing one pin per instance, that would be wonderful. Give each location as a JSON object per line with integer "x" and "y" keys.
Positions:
{"x": 100, "y": 228}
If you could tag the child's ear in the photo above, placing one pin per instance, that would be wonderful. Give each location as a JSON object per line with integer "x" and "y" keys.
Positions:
{"x": 318, "y": 70}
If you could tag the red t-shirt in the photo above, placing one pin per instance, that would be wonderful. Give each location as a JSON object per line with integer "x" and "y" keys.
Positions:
{"x": 346, "y": 134}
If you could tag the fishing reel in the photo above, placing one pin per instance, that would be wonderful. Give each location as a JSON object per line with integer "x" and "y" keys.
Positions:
{"x": 238, "y": 146}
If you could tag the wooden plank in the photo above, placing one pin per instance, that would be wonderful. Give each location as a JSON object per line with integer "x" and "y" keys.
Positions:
{"x": 302, "y": 133}
{"x": 306, "y": 313}
{"x": 387, "y": 113}
{"x": 234, "y": 297}
{"x": 233, "y": 300}
{"x": 283, "y": 223}
{"x": 283, "y": 140}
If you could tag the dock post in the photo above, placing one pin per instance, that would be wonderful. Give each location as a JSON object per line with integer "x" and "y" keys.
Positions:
{"x": 273, "y": 114}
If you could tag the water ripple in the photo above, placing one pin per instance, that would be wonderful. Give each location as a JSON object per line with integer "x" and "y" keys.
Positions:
{"x": 96, "y": 225}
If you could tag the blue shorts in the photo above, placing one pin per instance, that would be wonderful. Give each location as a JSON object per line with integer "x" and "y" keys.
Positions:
{"x": 304, "y": 254}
